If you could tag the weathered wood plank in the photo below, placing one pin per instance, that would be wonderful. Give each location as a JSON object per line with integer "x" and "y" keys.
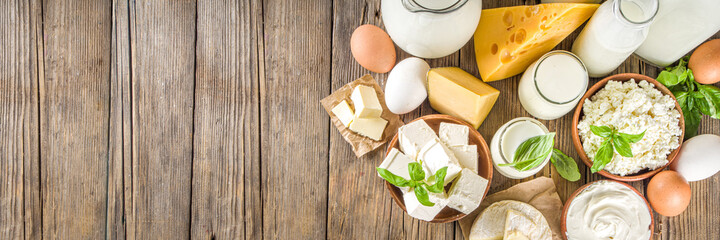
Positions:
{"x": 19, "y": 172}
{"x": 162, "y": 41}
{"x": 120, "y": 155}
{"x": 294, "y": 126}
{"x": 226, "y": 162}
{"x": 74, "y": 116}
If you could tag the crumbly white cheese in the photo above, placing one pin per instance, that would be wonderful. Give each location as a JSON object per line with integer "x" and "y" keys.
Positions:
{"x": 632, "y": 108}
{"x": 453, "y": 134}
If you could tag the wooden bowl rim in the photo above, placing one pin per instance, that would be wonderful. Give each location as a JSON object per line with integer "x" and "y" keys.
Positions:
{"x": 483, "y": 155}
{"x": 623, "y": 77}
{"x": 579, "y": 190}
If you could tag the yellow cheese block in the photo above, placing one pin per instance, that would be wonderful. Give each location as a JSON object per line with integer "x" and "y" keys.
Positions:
{"x": 509, "y": 39}
{"x": 457, "y": 93}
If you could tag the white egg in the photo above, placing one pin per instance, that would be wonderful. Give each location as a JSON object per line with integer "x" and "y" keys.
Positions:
{"x": 699, "y": 158}
{"x": 406, "y": 86}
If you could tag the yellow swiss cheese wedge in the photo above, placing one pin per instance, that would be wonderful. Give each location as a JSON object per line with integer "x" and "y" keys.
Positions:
{"x": 508, "y": 40}
{"x": 457, "y": 93}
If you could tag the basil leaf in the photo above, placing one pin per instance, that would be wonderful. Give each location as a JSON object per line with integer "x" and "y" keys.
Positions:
{"x": 632, "y": 138}
{"x": 622, "y": 146}
{"x": 692, "y": 122}
{"x": 416, "y": 171}
{"x": 603, "y": 156}
{"x": 668, "y": 79}
{"x": 602, "y": 131}
{"x": 439, "y": 185}
{"x": 392, "y": 178}
{"x": 711, "y": 95}
{"x": 565, "y": 166}
{"x": 532, "y": 152}
{"x": 422, "y": 197}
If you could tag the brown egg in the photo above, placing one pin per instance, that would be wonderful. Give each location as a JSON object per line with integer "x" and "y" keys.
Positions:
{"x": 373, "y": 48}
{"x": 705, "y": 62}
{"x": 669, "y": 193}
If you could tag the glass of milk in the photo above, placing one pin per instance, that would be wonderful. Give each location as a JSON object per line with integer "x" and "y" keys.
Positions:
{"x": 614, "y": 32}
{"x": 431, "y": 28}
{"x": 508, "y": 138}
{"x": 553, "y": 85}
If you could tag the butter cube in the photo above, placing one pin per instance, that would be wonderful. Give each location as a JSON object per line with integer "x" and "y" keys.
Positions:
{"x": 397, "y": 163}
{"x": 453, "y": 134}
{"x": 467, "y": 156}
{"x": 343, "y": 112}
{"x": 435, "y": 155}
{"x": 467, "y": 191}
{"x": 417, "y": 210}
{"x": 369, "y": 127}
{"x": 457, "y": 93}
{"x": 366, "y": 102}
{"x": 413, "y": 136}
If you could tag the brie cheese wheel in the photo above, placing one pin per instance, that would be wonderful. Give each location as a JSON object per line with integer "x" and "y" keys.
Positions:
{"x": 453, "y": 134}
{"x": 467, "y": 191}
{"x": 413, "y": 136}
{"x": 490, "y": 224}
{"x": 435, "y": 155}
{"x": 518, "y": 226}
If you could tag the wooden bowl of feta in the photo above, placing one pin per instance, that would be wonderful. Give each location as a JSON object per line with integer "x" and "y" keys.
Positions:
{"x": 653, "y": 128}
{"x": 473, "y": 180}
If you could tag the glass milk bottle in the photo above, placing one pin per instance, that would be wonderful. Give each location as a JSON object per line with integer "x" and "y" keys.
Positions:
{"x": 615, "y": 31}
{"x": 431, "y": 28}
{"x": 553, "y": 85}
{"x": 680, "y": 26}
{"x": 508, "y": 138}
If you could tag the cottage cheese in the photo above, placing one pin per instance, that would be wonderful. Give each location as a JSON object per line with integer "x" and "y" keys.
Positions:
{"x": 632, "y": 108}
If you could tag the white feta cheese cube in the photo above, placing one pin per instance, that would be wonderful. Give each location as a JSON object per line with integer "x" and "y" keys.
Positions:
{"x": 397, "y": 163}
{"x": 435, "y": 155}
{"x": 366, "y": 102}
{"x": 467, "y": 192}
{"x": 467, "y": 156}
{"x": 417, "y": 210}
{"x": 413, "y": 136}
{"x": 343, "y": 112}
{"x": 453, "y": 134}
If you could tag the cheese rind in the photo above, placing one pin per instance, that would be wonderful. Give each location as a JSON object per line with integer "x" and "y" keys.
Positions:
{"x": 467, "y": 156}
{"x": 518, "y": 226}
{"x": 413, "y": 136}
{"x": 344, "y": 113}
{"x": 422, "y": 212}
{"x": 453, "y": 134}
{"x": 509, "y": 39}
{"x": 457, "y": 93}
{"x": 490, "y": 224}
{"x": 397, "y": 163}
{"x": 370, "y": 127}
{"x": 366, "y": 102}
{"x": 435, "y": 155}
{"x": 467, "y": 191}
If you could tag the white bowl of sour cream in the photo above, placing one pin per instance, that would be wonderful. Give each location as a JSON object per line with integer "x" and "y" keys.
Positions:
{"x": 607, "y": 209}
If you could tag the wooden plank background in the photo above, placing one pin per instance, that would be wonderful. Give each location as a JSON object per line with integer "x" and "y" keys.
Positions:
{"x": 145, "y": 119}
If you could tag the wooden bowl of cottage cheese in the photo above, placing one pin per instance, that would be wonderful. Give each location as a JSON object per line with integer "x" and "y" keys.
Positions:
{"x": 631, "y": 108}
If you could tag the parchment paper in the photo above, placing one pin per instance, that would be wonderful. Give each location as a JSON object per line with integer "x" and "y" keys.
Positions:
{"x": 361, "y": 144}
{"x": 540, "y": 193}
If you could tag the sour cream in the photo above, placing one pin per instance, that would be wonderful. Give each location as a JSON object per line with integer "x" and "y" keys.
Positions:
{"x": 608, "y": 210}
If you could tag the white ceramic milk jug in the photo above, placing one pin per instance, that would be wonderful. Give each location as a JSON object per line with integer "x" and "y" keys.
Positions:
{"x": 431, "y": 28}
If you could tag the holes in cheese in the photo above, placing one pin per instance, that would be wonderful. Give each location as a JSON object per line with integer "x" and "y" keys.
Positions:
{"x": 526, "y": 33}
{"x": 457, "y": 93}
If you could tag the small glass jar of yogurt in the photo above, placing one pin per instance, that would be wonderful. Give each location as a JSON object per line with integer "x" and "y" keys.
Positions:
{"x": 614, "y": 32}
{"x": 553, "y": 85}
{"x": 506, "y": 141}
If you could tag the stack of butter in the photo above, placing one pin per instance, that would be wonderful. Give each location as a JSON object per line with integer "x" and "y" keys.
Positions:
{"x": 450, "y": 149}
{"x": 365, "y": 120}
{"x": 510, "y": 220}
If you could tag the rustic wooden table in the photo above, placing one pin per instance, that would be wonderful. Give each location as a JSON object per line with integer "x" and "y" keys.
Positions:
{"x": 149, "y": 119}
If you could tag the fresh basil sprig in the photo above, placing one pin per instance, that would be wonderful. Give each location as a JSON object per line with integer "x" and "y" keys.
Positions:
{"x": 533, "y": 152}
{"x": 417, "y": 181}
{"x": 695, "y": 99}
{"x": 612, "y": 141}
